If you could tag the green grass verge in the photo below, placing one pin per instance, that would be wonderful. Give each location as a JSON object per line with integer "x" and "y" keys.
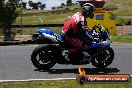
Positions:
{"x": 122, "y": 38}
{"x": 60, "y": 84}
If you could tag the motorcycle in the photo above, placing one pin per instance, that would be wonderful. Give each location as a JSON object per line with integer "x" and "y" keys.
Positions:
{"x": 45, "y": 56}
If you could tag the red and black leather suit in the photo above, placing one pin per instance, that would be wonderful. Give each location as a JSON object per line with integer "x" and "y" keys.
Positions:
{"x": 73, "y": 32}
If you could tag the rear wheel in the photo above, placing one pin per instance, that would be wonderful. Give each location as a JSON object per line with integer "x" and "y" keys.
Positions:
{"x": 104, "y": 58}
{"x": 43, "y": 57}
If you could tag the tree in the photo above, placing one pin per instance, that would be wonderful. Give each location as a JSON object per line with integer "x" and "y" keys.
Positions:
{"x": 15, "y": 1}
{"x": 35, "y": 6}
{"x": 69, "y": 2}
{"x": 24, "y": 5}
{"x": 39, "y": 4}
{"x": 62, "y": 4}
{"x": 53, "y": 8}
{"x": 42, "y": 6}
{"x": 8, "y": 15}
{"x": 30, "y": 3}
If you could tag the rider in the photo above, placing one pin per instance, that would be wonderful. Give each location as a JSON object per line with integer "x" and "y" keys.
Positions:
{"x": 73, "y": 30}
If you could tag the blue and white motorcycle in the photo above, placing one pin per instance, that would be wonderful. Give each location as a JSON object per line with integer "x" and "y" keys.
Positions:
{"x": 45, "y": 56}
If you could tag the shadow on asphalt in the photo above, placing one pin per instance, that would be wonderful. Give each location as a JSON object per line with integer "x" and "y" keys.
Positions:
{"x": 87, "y": 70}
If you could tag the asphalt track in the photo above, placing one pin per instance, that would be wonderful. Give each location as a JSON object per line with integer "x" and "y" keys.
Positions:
{"x": 15, "y": 64}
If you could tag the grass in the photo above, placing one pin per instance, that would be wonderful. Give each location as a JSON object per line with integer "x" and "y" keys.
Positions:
{"x": 60, "y": 84}
{"x": 124, "y": 10}
{"x": 122, "y": 38}
{"x": 44, "y": 19}
{"x": 124, "y": 7}
{"x": 35, "y": 16}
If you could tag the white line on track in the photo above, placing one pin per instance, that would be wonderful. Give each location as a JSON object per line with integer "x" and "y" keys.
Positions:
{"x": 37, "y": 80}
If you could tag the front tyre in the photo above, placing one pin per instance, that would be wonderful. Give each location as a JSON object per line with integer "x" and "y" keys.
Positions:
{"x": 43, "y": 57}
{"x": 104, "y": 58}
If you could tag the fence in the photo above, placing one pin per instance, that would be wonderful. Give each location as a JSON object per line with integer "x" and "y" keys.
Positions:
{"x": 124, "y": 30}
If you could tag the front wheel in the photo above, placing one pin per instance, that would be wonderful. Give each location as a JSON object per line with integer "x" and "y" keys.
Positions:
{"x": 43, "y": 57}
{"x": 104, "y": 57}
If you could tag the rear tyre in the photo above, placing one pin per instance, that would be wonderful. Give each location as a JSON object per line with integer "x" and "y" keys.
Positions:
{"x": 43, "y": 57}
{"x": 104, "y": 59}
